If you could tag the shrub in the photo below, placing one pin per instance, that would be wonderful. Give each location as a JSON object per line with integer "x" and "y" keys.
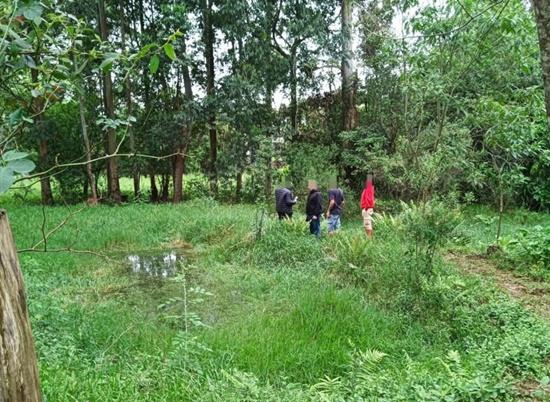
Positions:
{"x": 429, "y": 225}
{"x": 530, "y": 250}
{"x": 195, "y": 186}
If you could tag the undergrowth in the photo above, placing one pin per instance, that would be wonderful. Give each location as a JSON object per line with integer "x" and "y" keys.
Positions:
{"x": 279, "y": 316}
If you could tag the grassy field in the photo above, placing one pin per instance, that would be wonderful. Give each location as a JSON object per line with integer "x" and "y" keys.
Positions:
{"x": 260, "y": 311}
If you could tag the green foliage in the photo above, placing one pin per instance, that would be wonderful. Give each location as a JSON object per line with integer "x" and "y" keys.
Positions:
{"x": 529, "y": 250}
{"x": 12, "y": 164}
{"x": 428, "y": 226}
{"x": 286, "y": 243}
{"x": 268, "y": 318}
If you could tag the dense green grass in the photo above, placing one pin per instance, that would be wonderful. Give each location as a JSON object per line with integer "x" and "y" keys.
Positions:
{"x": 268, "y": 318}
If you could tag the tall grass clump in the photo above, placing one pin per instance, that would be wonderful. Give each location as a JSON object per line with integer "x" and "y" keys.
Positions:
{"x": 286, "y": 243}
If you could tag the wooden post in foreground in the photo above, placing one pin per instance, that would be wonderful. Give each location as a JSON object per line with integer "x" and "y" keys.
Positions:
{"x": 19, "y": 380}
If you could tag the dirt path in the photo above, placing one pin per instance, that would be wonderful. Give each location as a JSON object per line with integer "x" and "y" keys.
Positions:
{"x": 534, "y": 295}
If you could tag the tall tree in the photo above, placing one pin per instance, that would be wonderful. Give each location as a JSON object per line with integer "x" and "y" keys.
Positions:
{"x": 124, "y": 28}
{"x": 87, "y": 149}
{"x": 542, "y": 14}
{"x": 186, "y": 127}
{"x": 349, "y": 77}
{"x": 208, "y": 36}
{"x": 113, "y": 184}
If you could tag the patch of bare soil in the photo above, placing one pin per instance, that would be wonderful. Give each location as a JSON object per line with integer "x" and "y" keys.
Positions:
{"x": 534, "y": 295}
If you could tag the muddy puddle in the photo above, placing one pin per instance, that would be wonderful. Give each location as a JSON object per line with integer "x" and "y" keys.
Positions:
{"x": 159, "y": 265}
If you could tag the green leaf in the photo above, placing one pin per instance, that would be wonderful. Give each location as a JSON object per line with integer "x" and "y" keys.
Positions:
{"x": 169, "y": 50}
{"x": 22, "y": 44}
{"x": 29, "y": 61}
{"x": 107, "y": 63}
{"x": 154, "y": 64}
{"x": 22, "y": 166}
{"x": 143, "y": 51}
{"x": 6, "y": 179}
{"x": 31, "y": 10}
{"x": 13, "y": 155}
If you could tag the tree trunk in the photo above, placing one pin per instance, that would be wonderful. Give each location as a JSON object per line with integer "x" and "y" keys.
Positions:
{"x": 268, "y": 189}
{"x": 91, "y": 179}
{"x": 154, "y": 189}
{"x": 179, "y": 170}
{"x": 293, "y": 92}
{"x": 38, "y": 109}
{"x": 165, "y": 187}
{"x": 208, "y": 38}
{"x": 129, "y": 105}
{"x": 19, "y": 379}
{"x": 45, "y": 184}
{"x": 542, "y": 14}
{"x": 185, "y": 133}
{"x": 239, "y": 187}
{"x": 110, "y": 140}
{"x": 349, "y": 80}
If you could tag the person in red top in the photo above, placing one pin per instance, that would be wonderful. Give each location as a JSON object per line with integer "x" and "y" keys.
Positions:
{"x": 367, "y": 205}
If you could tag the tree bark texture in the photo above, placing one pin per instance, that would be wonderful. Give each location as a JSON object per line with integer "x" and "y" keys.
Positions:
{"x": 19, "y": 379}
{"x": 185, "y": 134}
{"x": 87, "y": 148}
{"x": 349, "y": 80}
{"x": 209, "y": 38}
{"x": 113, "y": 184}
{"x": 38, "y": 110}
{"x": 129, "y": 104}
{"x": 542, "y": 14}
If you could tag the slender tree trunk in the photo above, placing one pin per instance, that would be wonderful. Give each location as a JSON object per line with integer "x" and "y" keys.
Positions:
{"x": 269, "y": 154}
{"x": 349, "y": 80}
{"x": 500, "y": 213}
{"x": 293, "y": 91}
{"x": 165, "y": 187}
{"x": 542, "y": 14}
{"x": 179, "y": 170}
{"x": 91, "y": 179}
{"x": 45, "y": 184}
{"x": 269, "y": 18}
{"x": 209, "y": 38}
{"x": 129, "y": 105}
{"x": 38, "y": 109}
{"x": 239, "y": 187}
{"x": 154, "y": 188}
{"x": 19, "y": 379}
{"x": 110, "y": 140}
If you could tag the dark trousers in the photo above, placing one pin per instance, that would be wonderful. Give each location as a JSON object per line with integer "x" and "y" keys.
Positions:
{"x": 315, "y": 227}
{"x": 283, "y": 215}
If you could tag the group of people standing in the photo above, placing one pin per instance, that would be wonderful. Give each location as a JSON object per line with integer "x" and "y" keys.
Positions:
{"x": 285, "y": 201}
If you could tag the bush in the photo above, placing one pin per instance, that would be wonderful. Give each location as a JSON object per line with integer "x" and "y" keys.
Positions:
{"x": 196, "y": 186}
{"x": 429, "y": 225}
{"x": 530, "y": 250}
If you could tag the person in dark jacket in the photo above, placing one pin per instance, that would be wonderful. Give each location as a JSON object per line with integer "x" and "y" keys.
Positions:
{"x": 314, "y": 208}
{"x": 284, "y": 201}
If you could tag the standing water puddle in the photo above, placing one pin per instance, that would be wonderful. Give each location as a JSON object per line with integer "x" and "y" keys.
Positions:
{"x": 161, "y": 265}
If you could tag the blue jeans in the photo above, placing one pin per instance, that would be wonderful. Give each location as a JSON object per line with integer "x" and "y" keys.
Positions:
{"x": 315, "y": 227}
{"x": 333, "y": 223}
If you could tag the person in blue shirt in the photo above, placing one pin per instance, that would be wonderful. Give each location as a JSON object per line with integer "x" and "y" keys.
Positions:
{"x": 334, "y": 210}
